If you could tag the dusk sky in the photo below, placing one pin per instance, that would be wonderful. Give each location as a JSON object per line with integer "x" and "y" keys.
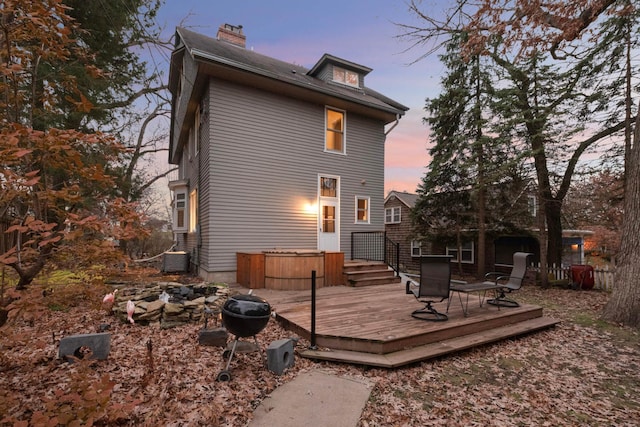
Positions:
{"x": 362, "y": 31}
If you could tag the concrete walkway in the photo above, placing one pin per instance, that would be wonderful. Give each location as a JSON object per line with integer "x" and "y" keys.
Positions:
{"x": 317, "y": 398}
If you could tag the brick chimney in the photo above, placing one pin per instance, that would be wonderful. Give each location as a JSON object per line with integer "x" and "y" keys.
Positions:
{"x": 232, "y": 34}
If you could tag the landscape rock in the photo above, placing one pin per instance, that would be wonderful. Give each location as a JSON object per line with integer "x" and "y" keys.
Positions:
{"x": 185, "y": 303}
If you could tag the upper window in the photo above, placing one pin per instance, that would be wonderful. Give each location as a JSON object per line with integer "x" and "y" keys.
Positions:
{"x": 346, "y": 77}
{"x": 191, "y": 148}
{"x": 466, "y": 251}
{"x": 193, "y": 210}
{"x": 392, "y": 215}
{"x": 532, "y": 205}
{"x": 362, "y": 210}
{"x": 334, "y": 135}
{"x": 196, "y": 131}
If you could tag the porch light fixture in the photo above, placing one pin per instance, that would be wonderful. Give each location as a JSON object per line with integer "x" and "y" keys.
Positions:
{"x": 311, "y": 208}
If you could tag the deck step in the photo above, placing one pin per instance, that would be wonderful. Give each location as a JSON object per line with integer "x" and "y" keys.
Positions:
{"x": 371, "y": 280}
{"x": 368, "y": 273}
{"x": 428, "y": 351}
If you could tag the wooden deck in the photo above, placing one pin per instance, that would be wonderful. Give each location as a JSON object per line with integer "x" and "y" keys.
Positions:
{"x": 373, "y": 325}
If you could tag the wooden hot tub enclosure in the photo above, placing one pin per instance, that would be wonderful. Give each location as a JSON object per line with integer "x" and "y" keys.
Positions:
{"x": 289, "y": 269}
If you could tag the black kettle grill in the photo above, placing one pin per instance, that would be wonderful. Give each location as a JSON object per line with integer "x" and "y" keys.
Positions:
{"x": 243, "y": 316}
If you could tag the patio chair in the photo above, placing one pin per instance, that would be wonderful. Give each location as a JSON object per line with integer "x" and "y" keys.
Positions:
{"x": 509, "y": 283}
{"x": 435, "y": 280}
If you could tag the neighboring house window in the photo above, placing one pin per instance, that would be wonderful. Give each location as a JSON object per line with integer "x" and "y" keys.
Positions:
{"x": 362, "y": 210}
{"x": 467, "y": 253}
{"x": 193, "y": 210}
{"x": 533, "y": 205}
{"x": 392, "y": 215}
{"x": 416, "y": 248}
{"x": 351, "y": 78}
{"x": 335, "y": 130}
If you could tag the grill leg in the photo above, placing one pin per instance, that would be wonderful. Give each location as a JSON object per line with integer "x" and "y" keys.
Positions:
{"x": 233, "y": 350}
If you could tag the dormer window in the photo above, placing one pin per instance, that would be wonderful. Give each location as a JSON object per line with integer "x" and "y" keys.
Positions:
{"x": 347, "y": 77}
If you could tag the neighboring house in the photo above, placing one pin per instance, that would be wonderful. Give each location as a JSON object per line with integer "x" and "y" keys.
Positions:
{"x": 271, "y": 155}
{"x": 499, "y": 248}
{"x": 398, "y": 228}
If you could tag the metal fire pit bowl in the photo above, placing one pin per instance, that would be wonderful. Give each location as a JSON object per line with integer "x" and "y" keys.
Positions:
{"x": 243, "y": 316}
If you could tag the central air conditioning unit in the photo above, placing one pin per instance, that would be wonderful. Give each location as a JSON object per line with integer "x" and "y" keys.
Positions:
{"x": 175, "y": 262}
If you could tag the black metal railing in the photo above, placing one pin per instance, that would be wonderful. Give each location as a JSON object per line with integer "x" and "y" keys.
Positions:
{"x": 375, "y": 246}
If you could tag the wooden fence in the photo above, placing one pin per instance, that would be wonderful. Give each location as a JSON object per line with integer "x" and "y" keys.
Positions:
{"x": 603, "y": 275}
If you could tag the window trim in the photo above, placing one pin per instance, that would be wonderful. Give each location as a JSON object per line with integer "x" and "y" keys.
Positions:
{"x": 343, "y": 132}
{"x": 367, "y": 210}
{"x": 453, "y": 251}
{"x": 392, "y": 216}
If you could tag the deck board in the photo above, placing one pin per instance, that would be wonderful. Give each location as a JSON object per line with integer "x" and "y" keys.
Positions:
{"x": 374, "y": 321}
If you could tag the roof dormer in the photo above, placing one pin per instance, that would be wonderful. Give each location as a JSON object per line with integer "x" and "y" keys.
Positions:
{"x": 340, "y": 71}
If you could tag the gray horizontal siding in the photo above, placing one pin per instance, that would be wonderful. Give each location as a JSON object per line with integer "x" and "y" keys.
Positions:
{"x": 266, "y": 152}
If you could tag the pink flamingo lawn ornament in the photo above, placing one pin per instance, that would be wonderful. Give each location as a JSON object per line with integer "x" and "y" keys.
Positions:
{"x": 131, "y": 308}
{"x": 108, "y": 300}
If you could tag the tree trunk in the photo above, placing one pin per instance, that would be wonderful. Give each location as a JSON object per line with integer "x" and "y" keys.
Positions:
{"x": 552, "y": 213}
{"x": 482, "y": 188}
{"x": 624, "y": 304}
{"x": 542, "y": 239}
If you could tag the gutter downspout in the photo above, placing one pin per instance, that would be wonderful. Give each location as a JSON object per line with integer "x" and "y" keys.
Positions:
{"x": 393, "y": 126}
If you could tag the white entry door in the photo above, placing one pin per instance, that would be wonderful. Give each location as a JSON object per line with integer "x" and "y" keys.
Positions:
{"x": 329, "y": 214}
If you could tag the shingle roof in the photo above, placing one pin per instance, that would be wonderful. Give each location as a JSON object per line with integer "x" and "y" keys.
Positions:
{"x": 409, "y": 199}
{"x": 209, "y": 49}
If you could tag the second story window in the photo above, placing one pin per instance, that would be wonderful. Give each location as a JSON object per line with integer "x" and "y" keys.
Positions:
{"x": 362, "y": 210}
{"x": 335, "y": 129}
{"x": 392, "y": 215}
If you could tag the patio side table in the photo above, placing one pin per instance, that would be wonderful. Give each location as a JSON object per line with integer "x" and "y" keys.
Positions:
{"x": 480, "y": 288}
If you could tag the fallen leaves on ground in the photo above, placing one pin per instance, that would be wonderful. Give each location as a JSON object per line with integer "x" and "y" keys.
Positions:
{"x": 579, "y": 373}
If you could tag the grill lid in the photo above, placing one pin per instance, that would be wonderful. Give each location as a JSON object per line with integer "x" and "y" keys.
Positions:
{"x": 247, "y": 305}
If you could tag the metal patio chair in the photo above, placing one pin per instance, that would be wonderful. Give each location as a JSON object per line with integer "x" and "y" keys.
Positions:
{"x": 510, "y": 283}
{"x": 435, "y": 281}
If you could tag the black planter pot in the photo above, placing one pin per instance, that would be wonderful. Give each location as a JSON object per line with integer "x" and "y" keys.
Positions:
{"x": 245, "y": 315}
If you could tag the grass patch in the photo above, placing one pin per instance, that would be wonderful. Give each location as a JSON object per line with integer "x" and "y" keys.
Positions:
{"x": 57, "y": 307}
{"x": 621, "y": 334}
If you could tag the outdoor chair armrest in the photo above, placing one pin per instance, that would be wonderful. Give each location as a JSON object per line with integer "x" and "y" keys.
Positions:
{"x": 495, "y": 277}
{"x": 458, "y": 282}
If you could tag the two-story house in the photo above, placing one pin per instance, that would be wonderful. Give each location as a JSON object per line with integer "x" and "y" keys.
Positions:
{"x": 271, "y": 154}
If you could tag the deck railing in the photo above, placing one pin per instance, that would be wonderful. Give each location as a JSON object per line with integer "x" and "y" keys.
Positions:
{"x": 603, "y": 276}
{"x": 375, "y": 246}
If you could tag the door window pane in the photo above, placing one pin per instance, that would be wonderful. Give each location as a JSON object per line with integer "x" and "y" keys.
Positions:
{"x": 329, "y": 219}
{"x": 328, "y": 187}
